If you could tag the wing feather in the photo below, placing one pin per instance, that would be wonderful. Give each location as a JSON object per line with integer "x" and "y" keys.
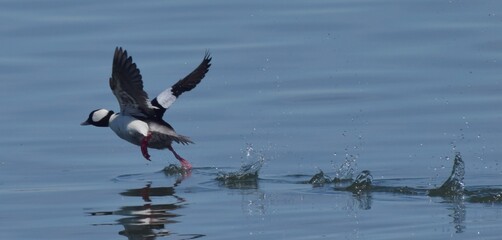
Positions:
{"x": 191, "y": 80}
{"x": 127, "y": 86}
{"x": 167, "y": 97}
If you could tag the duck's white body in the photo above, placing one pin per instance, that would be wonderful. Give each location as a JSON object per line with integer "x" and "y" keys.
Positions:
{"x": 129, "y": 128}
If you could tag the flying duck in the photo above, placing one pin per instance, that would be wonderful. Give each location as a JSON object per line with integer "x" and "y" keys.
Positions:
{"x": 140, "y": 120}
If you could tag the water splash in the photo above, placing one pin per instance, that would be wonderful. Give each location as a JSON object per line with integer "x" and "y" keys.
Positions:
{"x": 480, "y": 194}
{"x": 320, "y": 179}
{"x": 247, "y": 176}
{"x": 173, "y": 169}
{"x": 249, "y": 150}
{"x": 453, "y": 189}
{"x": 247, "y": 171}
{"x": 454, "y": 185}
{"x": 346, "y": 171}
{"x": 343, "y": 174}
{"x": 362, "y": 183}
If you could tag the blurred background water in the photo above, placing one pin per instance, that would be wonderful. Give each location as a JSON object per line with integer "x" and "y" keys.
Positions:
{"x": 394, "y": 87}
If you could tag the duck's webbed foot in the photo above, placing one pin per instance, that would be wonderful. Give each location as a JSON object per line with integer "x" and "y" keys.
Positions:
{"x": 144, "y": 146}
{"x": 184, "y": 163}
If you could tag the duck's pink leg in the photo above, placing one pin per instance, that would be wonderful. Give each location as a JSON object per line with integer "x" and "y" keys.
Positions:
{"x": 184, "y": 163}
{"x": 144, "y": 146}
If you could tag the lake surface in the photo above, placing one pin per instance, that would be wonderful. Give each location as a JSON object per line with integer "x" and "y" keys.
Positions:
{"x": 396, "y": 88}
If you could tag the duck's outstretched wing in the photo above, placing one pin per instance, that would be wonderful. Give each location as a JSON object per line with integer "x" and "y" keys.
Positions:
{"x": 127, "y": 86}
{"x": 191, "y": 80}
{"x": 166, "y": 98}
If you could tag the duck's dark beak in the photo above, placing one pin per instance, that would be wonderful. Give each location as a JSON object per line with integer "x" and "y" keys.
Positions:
{"x": 85, "y": 123}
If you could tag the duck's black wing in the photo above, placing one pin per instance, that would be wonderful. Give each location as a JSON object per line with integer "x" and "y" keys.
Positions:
{"x": 127, "y": 85}
{"x": 166, "y": 98}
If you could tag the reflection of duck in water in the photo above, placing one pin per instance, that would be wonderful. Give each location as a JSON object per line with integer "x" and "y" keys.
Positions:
{"x": 140, "y": 121}
{"x": 148, "y": 221}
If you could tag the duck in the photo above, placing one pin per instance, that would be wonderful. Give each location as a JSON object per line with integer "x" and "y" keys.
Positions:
{"x": 140, "y": 121}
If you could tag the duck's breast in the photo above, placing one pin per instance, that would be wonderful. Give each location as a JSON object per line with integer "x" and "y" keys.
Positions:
{"x": 129, "y": 128}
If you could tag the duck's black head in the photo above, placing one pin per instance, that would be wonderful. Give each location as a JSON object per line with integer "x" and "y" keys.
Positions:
{"x": 98, "y": 118}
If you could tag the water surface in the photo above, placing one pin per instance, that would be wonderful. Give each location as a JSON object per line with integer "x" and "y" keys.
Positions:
{"x": 395, "y": 88}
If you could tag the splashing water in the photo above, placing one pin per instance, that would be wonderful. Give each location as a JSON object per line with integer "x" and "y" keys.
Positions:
{"x": 249, "y": 150}
{"x": 173, "y": 169}
{"x": 346, "y": 171}
{"x": 247, "y": 175}
{"x": 343, "y": 174}
{"x": 245, "y": 178}
{"x": 362, "y": 182}
{"x": 320, "y": 179}
{"x": 245, "y": 172}
{"x": 453, "y": 188}
{"x": 454, "y": 185}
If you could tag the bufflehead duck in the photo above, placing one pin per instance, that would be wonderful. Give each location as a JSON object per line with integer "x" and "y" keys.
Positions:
{"x": 140, "y": 120}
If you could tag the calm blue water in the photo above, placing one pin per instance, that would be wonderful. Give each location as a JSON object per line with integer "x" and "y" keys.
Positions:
{"x": 393, "y": 87}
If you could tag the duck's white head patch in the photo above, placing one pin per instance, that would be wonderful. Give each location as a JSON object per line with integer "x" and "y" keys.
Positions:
{"x": 98, "y": 118}
{"x": 99, "y": 115}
